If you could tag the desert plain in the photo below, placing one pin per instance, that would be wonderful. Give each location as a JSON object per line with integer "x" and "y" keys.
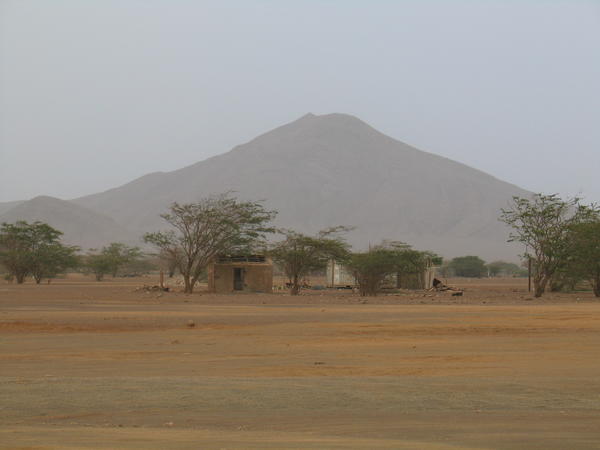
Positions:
{"x": 106, "y": 365}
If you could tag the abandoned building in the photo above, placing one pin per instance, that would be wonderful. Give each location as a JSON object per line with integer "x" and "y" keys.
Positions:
{"x": 420, "y": 280}
{"x": 245, "y": 273}
{"x": 339, "y": 276}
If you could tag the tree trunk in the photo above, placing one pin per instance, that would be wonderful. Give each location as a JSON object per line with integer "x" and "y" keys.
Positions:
{"x": 188, "y": 285}
{"x": 99, "y": 276}
{"x": 596, "y": 286}
{"x": 368, "y": 286}
{"x": 539, "y": 286}
{"x": 295, "y": 290}
{"x": 20, "y": 277}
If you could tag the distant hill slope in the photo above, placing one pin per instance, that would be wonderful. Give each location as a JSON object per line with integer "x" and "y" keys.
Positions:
{"x": 334, "y": 169}
{"x": 80, "y": 225}
{"x": 7, "y": 206}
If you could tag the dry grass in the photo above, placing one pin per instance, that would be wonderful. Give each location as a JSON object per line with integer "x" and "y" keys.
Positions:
{"x": 100, "y": 365}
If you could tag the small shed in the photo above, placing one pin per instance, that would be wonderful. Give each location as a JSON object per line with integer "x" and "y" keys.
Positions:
{"x": 421, "y": 280}
{"x": 240, "y": 273}
{"x": 339, "y": 276}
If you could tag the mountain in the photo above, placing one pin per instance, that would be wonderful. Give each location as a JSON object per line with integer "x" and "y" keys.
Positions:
{"x": 334, "y": 169}
{"x": 7, "y": 206}
{"x": 80, "y": 226}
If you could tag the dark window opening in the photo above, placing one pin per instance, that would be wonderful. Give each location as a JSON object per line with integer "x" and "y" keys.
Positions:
{"x": 238, "y": 279}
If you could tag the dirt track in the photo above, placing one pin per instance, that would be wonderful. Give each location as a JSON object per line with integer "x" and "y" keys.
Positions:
{"x": 98, "y": 365}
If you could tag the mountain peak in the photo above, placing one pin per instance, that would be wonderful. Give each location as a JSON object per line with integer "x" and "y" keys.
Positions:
{"x": 45, "y": 199}
{"x": 330, "y": 118}
{"x": 324, "y": 170}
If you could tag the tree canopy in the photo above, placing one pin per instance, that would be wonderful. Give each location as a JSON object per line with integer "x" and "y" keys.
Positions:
{"x": 373, "y": 266}
{"x": 111, "y": 259}
{"x": 468, "y": 266}
{"x": 34, "y": 249}
{"x": 507, "y": 269}
{"x": 299, "y": 254}
{"x": 542, "y": 224}
{"x": 584, "y": 256}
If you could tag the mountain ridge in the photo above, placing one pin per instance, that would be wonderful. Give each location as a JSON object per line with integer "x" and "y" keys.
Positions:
{"x": 81, "y": 226}
{"x": 325, "y": 170}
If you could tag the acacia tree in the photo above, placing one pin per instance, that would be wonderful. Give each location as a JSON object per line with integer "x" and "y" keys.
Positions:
{"x": 372, "y": 267}
{"x": 411, "y": 265}
{"x": 119, "y": 255}
{"x": 52, "y": 259}
{"x": 98, "y": 263}
{"x": 213, "y": 226}
{"x": 172, "y": 261}
{"x": 299, "y": 254}
{"x": 468, "y": 266}
{"x": 33, "y": 248}
{"x": 170, "y": 253}
{"x": 543, "y": 223}
{"x": 585, "y": 253}
{"x": 110, "y": 259}
{"x": 15, "y": 244}
{"x": 503, "y": 268}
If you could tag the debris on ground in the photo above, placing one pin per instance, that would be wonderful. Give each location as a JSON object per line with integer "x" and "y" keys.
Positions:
{"x": 153, "y": 288}
{"x": 441, "y": 287}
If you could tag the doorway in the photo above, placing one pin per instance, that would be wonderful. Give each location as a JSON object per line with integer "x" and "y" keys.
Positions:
{"x": 238, "y": 279}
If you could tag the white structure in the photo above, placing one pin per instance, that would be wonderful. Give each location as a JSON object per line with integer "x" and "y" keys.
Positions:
{"x": 339, "y": 276}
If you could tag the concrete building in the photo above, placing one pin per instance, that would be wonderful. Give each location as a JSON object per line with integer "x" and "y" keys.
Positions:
{"x": 423, "y": 280}
{"x": 240, "y": 273}
{"x": 339, "y": 276}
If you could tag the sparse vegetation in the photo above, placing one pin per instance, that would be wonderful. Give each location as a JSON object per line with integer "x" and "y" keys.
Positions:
{"x": 543, "y": 224}
{"x": 111, "y": 259}
{"x": 299, "y": 254}
{"x": 213, "y": 226}
{"x": 34, "y": 249}
{"x": 583, "y": 262}
{"x": 468, "y": 266}
{"x": 97, "y": 263}
{"x": 390, "y": 258}
{"x": 505, "y": 269}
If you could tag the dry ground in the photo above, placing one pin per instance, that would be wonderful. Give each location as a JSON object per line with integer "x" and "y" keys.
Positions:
{"x": 99, "y": 365}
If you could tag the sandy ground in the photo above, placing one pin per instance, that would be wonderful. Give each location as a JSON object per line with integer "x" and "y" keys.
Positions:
{"x": 101, "y": 365}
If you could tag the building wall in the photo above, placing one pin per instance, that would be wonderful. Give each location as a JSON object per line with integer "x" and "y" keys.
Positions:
{"x": 258, "y": 277}
{"x": 339, "y": 275}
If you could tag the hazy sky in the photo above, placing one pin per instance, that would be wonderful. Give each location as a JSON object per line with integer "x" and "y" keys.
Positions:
{"x": 96, "y": 93}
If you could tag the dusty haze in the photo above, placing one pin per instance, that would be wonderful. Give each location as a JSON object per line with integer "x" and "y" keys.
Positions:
{"x": 317, "y": 171}
{"x": 94, "y": 94}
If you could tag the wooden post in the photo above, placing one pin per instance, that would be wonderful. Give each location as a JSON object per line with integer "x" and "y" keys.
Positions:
{"x": 529, "y": 274}
{"x": 332, "y": 272}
